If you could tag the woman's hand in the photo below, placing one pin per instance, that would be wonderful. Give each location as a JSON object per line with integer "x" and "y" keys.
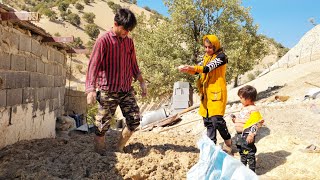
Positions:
{"x": 186, "y": 69}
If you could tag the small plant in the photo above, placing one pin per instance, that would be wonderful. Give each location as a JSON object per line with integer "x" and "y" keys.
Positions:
{"x": 147, "y": 8}
{"x": 77, "y": 42}
{"x": 89, "y": 17}
{"x": 92, "y": 30}
{"x": 57, "y": 34}
{"x": 79, "y": 67}
{"x": 251, "y": 76}
{"x": 63, "y": 6}
{"x": 79, "y": 6}
{"x": 113, "y": 6}
{"x": 74, "y": 19}
{"x": 50, "y": 14}
{"x": 92, "y": 111}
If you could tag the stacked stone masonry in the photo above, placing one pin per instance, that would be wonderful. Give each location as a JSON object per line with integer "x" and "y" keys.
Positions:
{"x": 32, "y": 87}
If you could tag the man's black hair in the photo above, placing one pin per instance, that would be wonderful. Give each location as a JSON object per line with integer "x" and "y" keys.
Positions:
{"x": 124, "y": 17}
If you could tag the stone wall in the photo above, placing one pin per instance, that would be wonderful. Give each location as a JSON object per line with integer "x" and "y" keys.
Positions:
{"x": 32, "y": 87}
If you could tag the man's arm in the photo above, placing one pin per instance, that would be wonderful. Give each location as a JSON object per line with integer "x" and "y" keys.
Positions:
{"x": 136, "y": 71}
{"x": 143, "y": 85}
{"x": 97, "y": 56}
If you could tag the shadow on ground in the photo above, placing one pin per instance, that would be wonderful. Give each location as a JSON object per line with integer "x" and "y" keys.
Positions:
{"x": 268, "y": 161}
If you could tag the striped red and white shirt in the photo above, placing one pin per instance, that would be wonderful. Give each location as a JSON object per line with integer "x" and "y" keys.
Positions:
{"x": 112, "y": 65}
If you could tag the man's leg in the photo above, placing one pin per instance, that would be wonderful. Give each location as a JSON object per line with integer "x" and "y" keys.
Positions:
{"x": 131, "y": 112}
{"x": 106, "y": 108}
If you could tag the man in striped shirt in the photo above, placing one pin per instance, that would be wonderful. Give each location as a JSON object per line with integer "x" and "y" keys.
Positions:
{"x": 112, "y": 68}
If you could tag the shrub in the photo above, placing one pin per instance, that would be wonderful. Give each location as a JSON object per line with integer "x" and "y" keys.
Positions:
{"x": 113, "y": 6}
{"x": 77, "y": 42}
{"x": 89, "y": 17}
{"x": 147, "y": 8}
{"x": 63, "y": 6}
{"x": 74, "y": 19}
{"x": 79, "y": 6}
{"x": 92, "y": 30}
{"x": 50, "y": 14}
{"x": 251, "y": 77}
{"x": 86, "y": 1}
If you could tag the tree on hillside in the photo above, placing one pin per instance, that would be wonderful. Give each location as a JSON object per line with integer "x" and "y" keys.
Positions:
{"x": 74, "y": 19}
{"x": 89, "y": 17}
{"x": 159, "y": 52}
{"x": 50, "y": 14}
{"x": 77, "y": 42}
{"x": 114, "y": 6}
{"x": 63, "y": 6}
{"x": 312, "y": 21}
{"x": 228, "y": 20}
{"x": 79, "y": 6}
{"x": 92, "y": 30}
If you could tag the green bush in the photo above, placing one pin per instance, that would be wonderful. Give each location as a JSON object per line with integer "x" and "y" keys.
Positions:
{"x": 79, "y": 6}
{"x": 74, "y": 19}
{"x": 89, "y": 17}
{"x": 63, "y": 6}
{"x": 49, "y": 13}
{"x": 86, "y": 1}
{"x": 92, "y": 30}
{"x": 113, "y": 6}
{"x": 64, "y": 15}
{"x": 77, "y": 42}
{"x": 147, "y": 8}
{"x": 251, "y": 77}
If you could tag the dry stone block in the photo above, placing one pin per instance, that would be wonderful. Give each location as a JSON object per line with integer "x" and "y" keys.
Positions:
{"x": 36, "y": 48}
{"x": 40, "y": 66}
{"x": 11, "y": 39}
{"x": 29, "y": 95}
{"x": 18, "y": 63}
{"x": 3, "y": 98}
{"x": 4, "y": 61}
{"x": 14, "y": 97}
{"x": 31, "y": 64}
{"x": 25, "y": 43}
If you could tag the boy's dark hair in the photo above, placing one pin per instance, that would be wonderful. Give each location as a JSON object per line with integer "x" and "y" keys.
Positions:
{"x": 124, "y": 17}
{"x": 248, "y": 92}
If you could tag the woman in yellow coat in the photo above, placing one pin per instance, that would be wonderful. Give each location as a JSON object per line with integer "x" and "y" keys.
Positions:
{"x": 212, "y": 88}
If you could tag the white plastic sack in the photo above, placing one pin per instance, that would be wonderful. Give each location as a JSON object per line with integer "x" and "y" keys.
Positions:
{"x": 215, "y": 164}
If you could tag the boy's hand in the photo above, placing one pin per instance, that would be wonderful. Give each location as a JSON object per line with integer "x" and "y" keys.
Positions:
{"x": 233, "y": 117}
{"x": 250, "y": 138}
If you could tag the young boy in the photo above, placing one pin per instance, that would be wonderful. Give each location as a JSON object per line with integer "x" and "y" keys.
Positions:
{"x": 247, "y": 123}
